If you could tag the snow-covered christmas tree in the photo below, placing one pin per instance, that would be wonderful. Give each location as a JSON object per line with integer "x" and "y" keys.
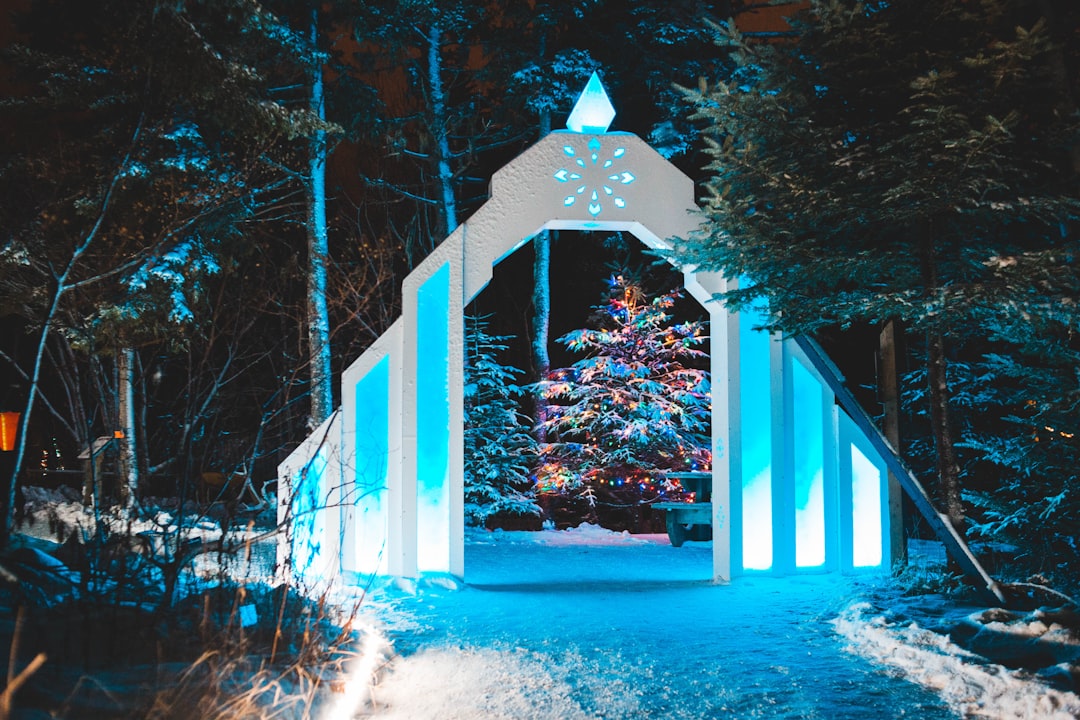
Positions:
{"x": 499, "y": 449}
{"x": 633, "y": 408}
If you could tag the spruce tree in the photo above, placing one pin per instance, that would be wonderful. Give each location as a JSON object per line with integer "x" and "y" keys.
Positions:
{"x": 499, "y": 448}
{"x": 892, "y": 163}
{"x": 633, "y": 407}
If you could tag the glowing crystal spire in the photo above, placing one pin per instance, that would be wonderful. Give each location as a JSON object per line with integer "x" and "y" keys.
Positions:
{"x": 593, "y": 111}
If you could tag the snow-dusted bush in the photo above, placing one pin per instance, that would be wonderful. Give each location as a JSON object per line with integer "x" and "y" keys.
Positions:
{"x": 499, "y": 449}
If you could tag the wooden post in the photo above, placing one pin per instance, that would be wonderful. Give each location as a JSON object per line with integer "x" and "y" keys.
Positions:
{"x": 889, "y": 389}
{"x": 783, "y": 456}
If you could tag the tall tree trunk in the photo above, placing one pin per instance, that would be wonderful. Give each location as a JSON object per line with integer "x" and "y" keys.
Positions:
{"x": 322, "y": 395}
{"x": 129, "y": 459}
{"x": 440, "y": 126}
{"x": 541, "y": 300}
{"x": 948, "y": 469}
{"x": 941, "y": 426}
{"x": 889, "y": 389}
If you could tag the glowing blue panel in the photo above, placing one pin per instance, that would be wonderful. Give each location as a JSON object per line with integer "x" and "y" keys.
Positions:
{"x": 809, "y": 469}
{"x": 308, "y": 518}
{"x": 372, "y": 452}
{"x": 756, "y": 416}
{"x": 867, "y": 533}
{"x": 433, "y": 423}
{"x": 593, "y": 111}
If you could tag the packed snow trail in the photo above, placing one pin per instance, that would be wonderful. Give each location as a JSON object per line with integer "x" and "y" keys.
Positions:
{"x": 591, "y": 624}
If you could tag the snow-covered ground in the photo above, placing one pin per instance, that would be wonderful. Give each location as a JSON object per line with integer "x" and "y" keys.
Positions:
{"x": 588, "y": 623}
{"x": 970, "y": 684}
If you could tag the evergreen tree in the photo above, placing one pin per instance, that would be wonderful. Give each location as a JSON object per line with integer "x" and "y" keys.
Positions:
{"x": 633, "y": 407}
{"x": 318, "y": 246}
{"x": 882, "y": 166}
{"x": 499, "y": 449}
{"x": 1020, "y": 442}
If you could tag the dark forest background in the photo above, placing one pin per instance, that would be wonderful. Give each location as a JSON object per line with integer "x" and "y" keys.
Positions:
{"x": 209, "y": 206}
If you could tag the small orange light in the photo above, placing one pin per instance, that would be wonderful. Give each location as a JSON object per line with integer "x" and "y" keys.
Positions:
{"x": 118, "y": 434}
{"x": 9, "y": 425}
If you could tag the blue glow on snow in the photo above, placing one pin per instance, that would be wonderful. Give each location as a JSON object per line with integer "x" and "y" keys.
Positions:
{"x": 372, "y": 453}
{"x": 309, "y": 520}
{"x": 755, "y": 399}
{"x": 867, "y": 535}
{"x": 433, "y": 423}
{"x": 593, "y": 111}
{"x": 809, "y": 469}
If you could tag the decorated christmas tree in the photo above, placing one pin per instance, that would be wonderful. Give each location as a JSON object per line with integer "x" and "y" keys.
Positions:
{"x": 499, "y": 449}
{"x": 634, "y": 407}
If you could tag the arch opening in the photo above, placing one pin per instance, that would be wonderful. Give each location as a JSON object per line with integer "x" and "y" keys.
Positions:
{"x": 402, "y": 515}
{"x": 581, "y": 263}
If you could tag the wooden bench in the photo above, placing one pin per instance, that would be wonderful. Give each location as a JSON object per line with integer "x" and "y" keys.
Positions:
{"x": 682, "y": 517}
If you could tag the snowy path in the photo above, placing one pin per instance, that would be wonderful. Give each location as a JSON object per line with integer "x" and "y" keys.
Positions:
{"x": 589, "y": 624}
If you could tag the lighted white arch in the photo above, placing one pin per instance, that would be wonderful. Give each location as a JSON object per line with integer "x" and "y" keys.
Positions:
{"x": 389, "y": 465}
{"x": 578, "y": 181}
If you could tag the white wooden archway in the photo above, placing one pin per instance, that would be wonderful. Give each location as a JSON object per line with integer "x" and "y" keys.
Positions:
{"x": 378, "y": 488}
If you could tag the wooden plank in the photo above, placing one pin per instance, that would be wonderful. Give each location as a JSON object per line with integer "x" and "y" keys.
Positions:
{"x": 889, "y": 390}
{"x": 96, "y": 447}
{"x": 688, "y": 513}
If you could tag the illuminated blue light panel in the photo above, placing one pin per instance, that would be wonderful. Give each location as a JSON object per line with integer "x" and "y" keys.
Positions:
{"x": 433, "y": 423}
{"x": 866, "y": 510}
{"x": 755, "y": 399}
{"x": 309, "y": 520}
{"x": 809, "y": 469}
{"x": 372, "y": 453}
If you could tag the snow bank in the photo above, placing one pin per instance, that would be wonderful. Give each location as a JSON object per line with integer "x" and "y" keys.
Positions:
{"x": 971, "y": 685}
{"x": 473, "y": 683}
{"x": 504, "y": 683}
{"x": 54, "y": 515}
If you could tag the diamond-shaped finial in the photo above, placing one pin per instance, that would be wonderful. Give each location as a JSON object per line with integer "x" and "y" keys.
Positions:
{"x": 593, "y": 111}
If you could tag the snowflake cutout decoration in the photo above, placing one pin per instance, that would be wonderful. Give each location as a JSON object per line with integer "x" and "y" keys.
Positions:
{"x": 595, "y": 180}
